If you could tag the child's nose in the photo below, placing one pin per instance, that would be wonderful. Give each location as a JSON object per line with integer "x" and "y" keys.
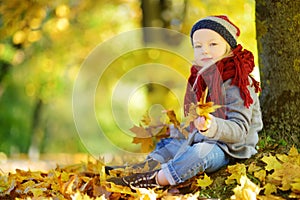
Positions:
{"x": 204, "y": 49}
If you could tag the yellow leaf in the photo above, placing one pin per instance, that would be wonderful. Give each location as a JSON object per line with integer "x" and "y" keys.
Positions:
{"x": 206, "y": 108}
{"x": 237, "y": 171}
{"x": 79, "y": 196}
{"x": 118, "y": 188}
{"x": 293, "y": 151}
{"x": 192, "y": 115}
{"x": 64, "y": 176}
{"x": 285, "y": 175}
{"x": 205, "y": 182}
{"x": 246, "y": 191}
{"x": 272, "y": 163}
{"x": 37, "y": 192}
{"x": 201, "y": 109}
{"x": 270, "y": 197}
{"x": 253, "y": 167}
{"x": 270, "y": 188}
{"x": 283, "y": 157}
{"x": 173, "y": 119}
{"x": 146, "y": 144}
{"x": 68, "y": 186}
{"x": 28, "y": 185}
{"x": 294, "y": 195}
{"x": 203, "y": 96}
{"x": 296, "y": 187}
{"x": 292, "y": 157}
{"x": 143, "y": 137}
{"x": 261, "y": 175}
{"x": 140, "y": 132}
{"x": 146, "y": 194}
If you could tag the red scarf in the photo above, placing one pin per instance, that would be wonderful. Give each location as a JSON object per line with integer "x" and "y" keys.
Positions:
{"x": 237, "y": 67}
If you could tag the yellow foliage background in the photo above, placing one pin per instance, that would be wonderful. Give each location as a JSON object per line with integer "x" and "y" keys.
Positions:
{"x": 45, "y": 44}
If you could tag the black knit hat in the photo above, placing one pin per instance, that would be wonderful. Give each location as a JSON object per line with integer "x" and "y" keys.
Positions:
{"x": 221, "y": 25}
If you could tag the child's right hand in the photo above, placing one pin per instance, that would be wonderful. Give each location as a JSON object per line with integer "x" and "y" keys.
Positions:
{"x": 202, "y": 124}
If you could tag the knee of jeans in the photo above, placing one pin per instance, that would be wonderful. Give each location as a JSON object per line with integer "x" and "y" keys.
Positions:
{"x": 214, "y": 166}
{"x": 204, "y": 149}
{"x": 163, "y": 143}
{"x": 212, "y": 156}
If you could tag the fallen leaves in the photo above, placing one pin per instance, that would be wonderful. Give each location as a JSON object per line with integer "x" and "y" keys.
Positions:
{"x": 272, "y": 163}
{"x": 60, "y": 183}
{"x": 280, "y": 172}
{"x": 204, "y": 182}
{"x": 273, "y": 174}
{"x": 246, "y": 191}
{"x": 283, "y": 171}
{"x": 237, "y": 171}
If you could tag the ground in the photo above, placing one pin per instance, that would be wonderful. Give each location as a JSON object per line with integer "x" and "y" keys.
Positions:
{"x": 62, "y": 179}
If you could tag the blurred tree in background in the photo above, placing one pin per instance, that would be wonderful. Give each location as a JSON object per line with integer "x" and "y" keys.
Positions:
{"x": 43, "y": 44}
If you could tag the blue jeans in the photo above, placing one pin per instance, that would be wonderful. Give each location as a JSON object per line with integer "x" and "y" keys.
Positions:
{"x": 182, "y": 159}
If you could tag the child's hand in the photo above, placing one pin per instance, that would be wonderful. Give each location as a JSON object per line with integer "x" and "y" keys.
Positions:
{"x": 202, "y": 124}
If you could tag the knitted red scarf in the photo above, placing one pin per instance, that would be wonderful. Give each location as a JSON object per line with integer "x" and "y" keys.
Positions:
{"x": 237, "y": 67}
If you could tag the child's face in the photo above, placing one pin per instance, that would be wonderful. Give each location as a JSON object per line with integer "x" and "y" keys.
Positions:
{"x": 209, "y": 47}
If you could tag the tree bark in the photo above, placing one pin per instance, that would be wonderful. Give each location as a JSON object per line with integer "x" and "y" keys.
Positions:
{"x": 37, "y": 134}
{"x": 4, "y": 69}
{"x": 161, "y": 14}
{"x": 277, "y": 27}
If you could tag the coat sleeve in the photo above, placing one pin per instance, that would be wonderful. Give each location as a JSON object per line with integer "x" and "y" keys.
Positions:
{"x": 235, "y": 127}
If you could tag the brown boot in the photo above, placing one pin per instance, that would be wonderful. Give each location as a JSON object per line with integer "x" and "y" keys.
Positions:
{"x": 152, "y": 164}
{"x": 138, "y": 180}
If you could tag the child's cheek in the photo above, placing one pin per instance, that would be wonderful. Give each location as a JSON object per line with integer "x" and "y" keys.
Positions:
{"x": 196, "y": 55}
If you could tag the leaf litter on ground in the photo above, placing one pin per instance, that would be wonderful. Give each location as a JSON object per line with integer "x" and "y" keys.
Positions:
{"x": 262, "y": 178}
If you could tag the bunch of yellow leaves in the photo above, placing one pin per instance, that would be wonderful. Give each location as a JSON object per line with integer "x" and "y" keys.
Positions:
{"x": 150, "y": 131}
{"x": 148, "y": 134}
{"x": 202, "y": 108}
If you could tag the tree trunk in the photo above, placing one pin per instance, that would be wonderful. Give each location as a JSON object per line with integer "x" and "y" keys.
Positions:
{"x": 161, "y": 14}
{"x": 37, "y": 134}
{"x": 4, "y": 69}
{"x": 277, "y": 26}
{"x": 153, "y": 17}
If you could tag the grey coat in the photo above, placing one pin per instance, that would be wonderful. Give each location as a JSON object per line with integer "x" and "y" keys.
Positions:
{"x": 238, "y": 134}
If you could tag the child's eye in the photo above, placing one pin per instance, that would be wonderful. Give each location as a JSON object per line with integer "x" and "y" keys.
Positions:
{"x": 197, "y": 46}
{"x": 213, "y": 44}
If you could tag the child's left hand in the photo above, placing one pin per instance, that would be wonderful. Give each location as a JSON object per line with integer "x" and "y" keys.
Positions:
{"x": 203, "y": 124}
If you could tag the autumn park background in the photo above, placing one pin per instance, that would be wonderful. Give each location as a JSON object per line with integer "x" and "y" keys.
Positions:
{"x": 44, "y": 46}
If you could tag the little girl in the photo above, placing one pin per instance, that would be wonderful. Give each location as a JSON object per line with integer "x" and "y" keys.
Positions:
{"x": 224, "y": 67}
